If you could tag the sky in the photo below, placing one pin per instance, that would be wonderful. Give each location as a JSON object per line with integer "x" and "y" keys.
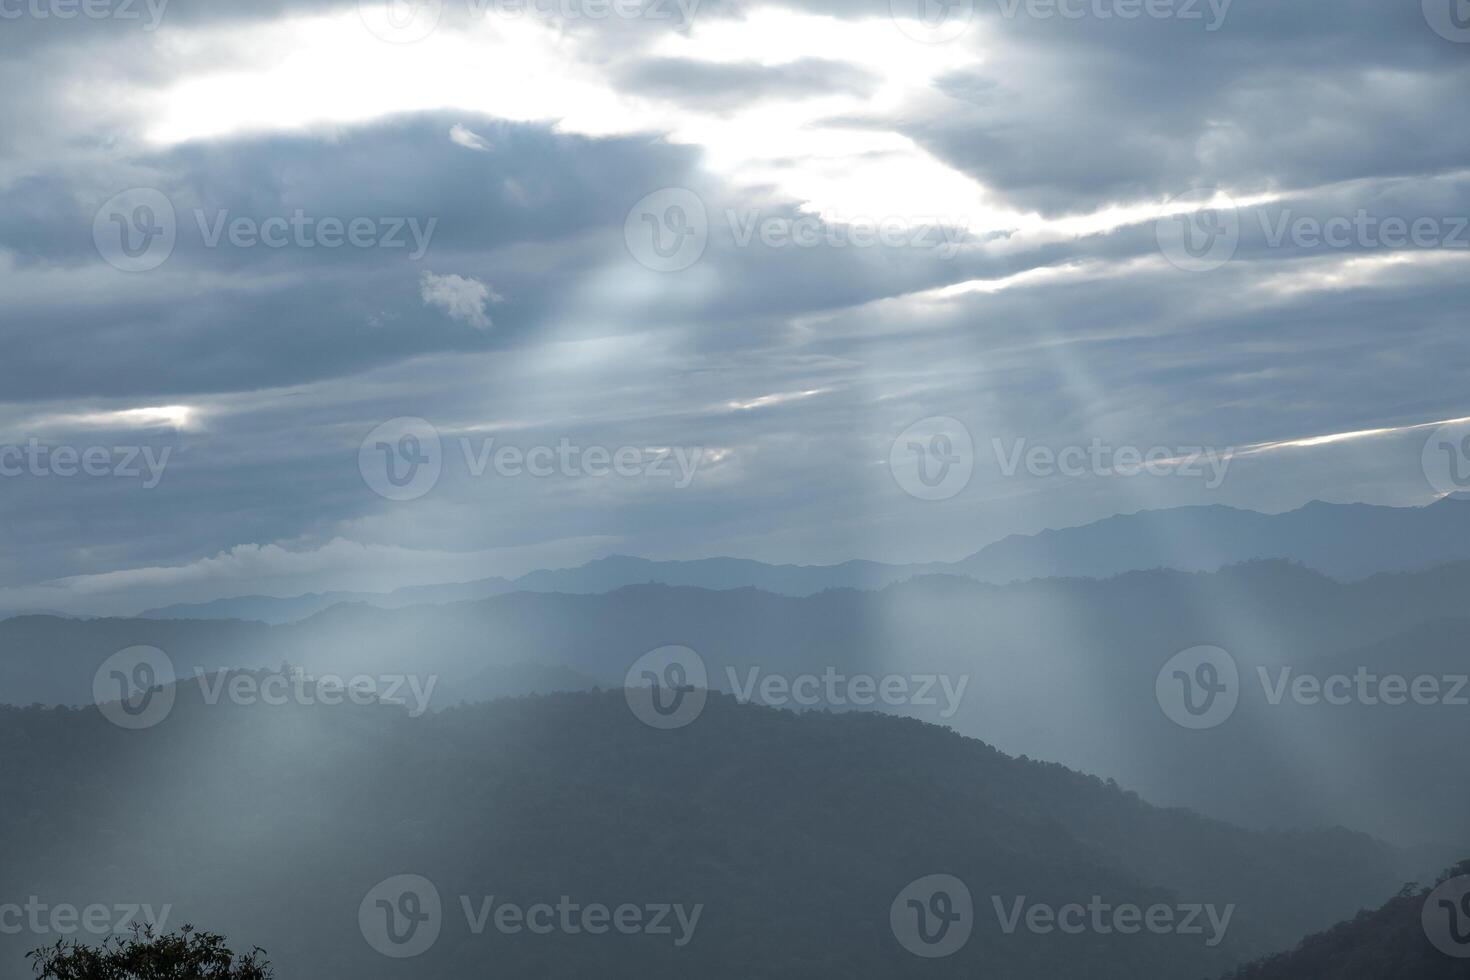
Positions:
{"x": 304, "y": 294}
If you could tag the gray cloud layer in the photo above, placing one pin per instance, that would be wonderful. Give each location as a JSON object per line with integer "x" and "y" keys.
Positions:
{"x": 793, "y": 368}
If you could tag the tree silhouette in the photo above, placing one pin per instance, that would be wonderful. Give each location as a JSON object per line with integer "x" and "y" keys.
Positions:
{"x": 187, "y": 955}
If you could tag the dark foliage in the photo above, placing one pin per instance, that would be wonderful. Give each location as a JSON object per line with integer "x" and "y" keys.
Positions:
{"x": 1388, "y": 943}
{"x": 185, "y": 955}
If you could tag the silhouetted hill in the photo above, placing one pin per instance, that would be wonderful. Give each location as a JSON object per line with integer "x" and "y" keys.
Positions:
{"x": 1390, "y": 943}
{"x": 794, "y": 832}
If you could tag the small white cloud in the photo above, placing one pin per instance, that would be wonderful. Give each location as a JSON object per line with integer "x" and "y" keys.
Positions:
{"x": 463, "y": 299}
{"x": 461, "y": 136}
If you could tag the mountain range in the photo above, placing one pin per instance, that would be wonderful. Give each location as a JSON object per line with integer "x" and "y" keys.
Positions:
{"x": 787, "y": 839}
{"x": 1061, "y": 669}
{"x": 1343, "y": 541}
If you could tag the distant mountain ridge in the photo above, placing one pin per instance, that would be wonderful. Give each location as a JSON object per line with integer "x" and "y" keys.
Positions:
{"x": 1060, "y": 669}
{"x": 1344, "y": 541}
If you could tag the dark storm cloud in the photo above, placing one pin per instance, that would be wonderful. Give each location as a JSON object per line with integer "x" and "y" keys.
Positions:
{"x": 272, "y": 316}
{"x": 531, "y": 215}
{"x": 529, "y": 186}
{"x": 1017, "y": 125}
{"x": 1071, "y": 113}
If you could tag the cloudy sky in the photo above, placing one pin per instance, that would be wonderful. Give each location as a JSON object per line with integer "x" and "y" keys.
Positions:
{"x": 303, "y": 294}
